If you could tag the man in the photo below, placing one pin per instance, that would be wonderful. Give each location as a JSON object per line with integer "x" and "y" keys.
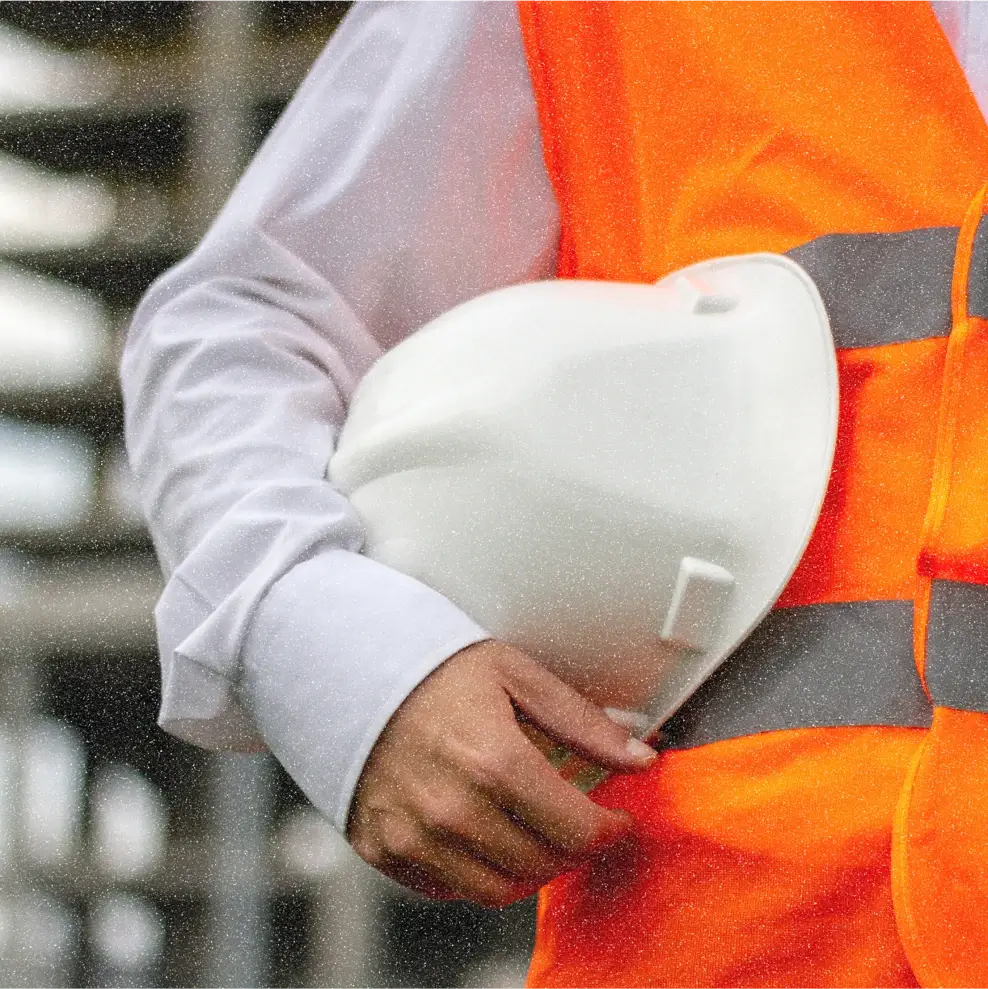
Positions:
{"x": 408, "y": 176}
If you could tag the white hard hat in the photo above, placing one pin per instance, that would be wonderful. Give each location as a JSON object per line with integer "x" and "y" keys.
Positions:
{"x": 619, "y": 479}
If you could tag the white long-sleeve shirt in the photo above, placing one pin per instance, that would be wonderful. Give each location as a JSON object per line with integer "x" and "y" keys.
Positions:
{"x": 405, "y": 177}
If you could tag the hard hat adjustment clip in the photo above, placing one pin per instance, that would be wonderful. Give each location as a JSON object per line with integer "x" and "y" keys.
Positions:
{"x": 698, "y": 602}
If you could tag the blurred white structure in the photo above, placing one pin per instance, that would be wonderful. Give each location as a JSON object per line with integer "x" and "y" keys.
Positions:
{"x": 39, "y": 209}
{"x": 45, "y": 936}
{"x": 53, "y": 787}
{"x": 127, "y": 937}
{"x": 497, "y": 973}
{"x": 120, "y": 492}
{"x": 52, "y": 335}
{"x": 128, "y": 823}
{"x": 35, "y": 75}
{"x": 8, "y": 809}
{"x": 309, "y": 847}
{"x": 47, "y": 478}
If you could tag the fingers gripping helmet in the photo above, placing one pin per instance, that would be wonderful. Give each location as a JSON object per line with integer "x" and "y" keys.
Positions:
{"x": 619, "y": 479}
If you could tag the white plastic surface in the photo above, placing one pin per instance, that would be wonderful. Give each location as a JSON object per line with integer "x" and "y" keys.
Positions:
{"x": 549, "y": 456}
{"x": 700, "y": 599}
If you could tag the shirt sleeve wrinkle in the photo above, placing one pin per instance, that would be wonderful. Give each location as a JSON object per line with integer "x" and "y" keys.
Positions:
{"x": 397, "y": 184}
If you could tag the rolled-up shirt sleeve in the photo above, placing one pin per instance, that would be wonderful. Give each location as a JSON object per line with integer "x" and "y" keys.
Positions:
{"x": 405, "y": 177}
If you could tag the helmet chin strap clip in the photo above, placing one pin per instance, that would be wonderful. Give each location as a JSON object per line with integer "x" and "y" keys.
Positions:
{"x": 699, "y": 600}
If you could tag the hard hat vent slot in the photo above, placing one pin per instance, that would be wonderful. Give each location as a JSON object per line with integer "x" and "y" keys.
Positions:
{"x": 698, "y": 602}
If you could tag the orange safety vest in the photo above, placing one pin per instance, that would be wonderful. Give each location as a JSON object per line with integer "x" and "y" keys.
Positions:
{"x": 819, "y": 815}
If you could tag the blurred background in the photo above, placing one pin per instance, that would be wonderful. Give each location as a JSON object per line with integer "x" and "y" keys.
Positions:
{"x": 126, "y": 857}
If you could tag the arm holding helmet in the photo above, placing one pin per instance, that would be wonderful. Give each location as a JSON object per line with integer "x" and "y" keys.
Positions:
{"x": 367, "y": 212}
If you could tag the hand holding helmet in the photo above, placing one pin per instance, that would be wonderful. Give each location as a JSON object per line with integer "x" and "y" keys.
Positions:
{"x": 456, "y": 801}
{"x": 617, "y": 480}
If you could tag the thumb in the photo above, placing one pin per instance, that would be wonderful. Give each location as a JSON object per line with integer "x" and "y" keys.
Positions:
{"x": 569, "y": 719}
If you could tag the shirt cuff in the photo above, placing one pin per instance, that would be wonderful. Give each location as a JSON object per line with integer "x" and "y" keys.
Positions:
{"x": 333, "y": 649}
{"x": 197, "y": 702}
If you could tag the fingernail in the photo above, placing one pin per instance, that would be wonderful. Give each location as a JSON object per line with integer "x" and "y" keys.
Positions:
{"x": 639, "y": 750}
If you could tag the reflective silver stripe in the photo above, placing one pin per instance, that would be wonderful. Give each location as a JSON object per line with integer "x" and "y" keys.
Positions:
{"x": 884, "y": 288}
{"x": 957, "y": 645}
{"x": 817, "y": 666}
{"x": 977, "y": 283}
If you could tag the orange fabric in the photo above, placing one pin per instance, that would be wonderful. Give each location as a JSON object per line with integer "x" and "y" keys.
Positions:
{"x": 728, "y": 886}
{"x": 675, "y": 132}
{"x": 959, "y": 548}
{"x": 955, "y": 533}
{"x": 940, "y": 836}
{"x": 868, "y": 534}
{"x": 940, "y": 859}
